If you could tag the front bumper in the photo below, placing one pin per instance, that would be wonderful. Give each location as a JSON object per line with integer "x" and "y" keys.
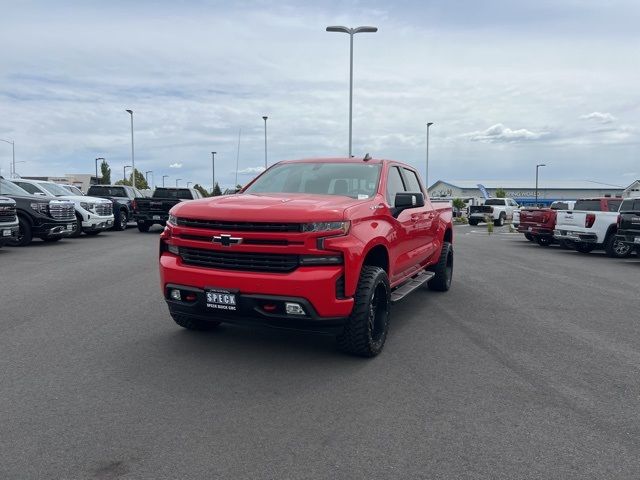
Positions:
{"x": 315, "y": 287}
{"x": 575, "y": 236}
{"x": 97, "y": 223}
{"x": 8, "y": 232}
{"x": 53, "y": 230}
{"x": 629, "y": 237}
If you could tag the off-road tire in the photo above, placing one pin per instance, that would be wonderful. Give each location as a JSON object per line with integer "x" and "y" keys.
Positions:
{"x": 191, "y": 323}
{"x": 544, "y": 241}
{"x": 441, "y": 282}
{"x": 25, "y": 235}
{"x": 473, "y": 223}
{"x": 78, "y": 230}
{"x": 362, "y": 335}
{"x": 529, "y": 237}
{"x": 584, "y": 247}
{"x": 500, "y": 221}
{"x": 615, "y": 248}
{"x": 121, "y": 221}
{"x": 143, "y": 227}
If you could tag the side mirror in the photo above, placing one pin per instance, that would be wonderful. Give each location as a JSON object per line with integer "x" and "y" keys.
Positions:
{"x": 405, "y": 200}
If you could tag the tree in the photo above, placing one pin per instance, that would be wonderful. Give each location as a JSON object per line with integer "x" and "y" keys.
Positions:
{"x": 105, "y": 171}
{"x": 500, "y": 193}
{"x": 201, "y": 189}
{"x": 459, "y": 204}
{"x": 216, "y": 190}
{"x": 141, "y": 182}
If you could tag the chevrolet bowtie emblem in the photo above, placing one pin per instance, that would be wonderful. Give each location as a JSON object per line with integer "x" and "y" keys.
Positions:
{"x": 226, "y": 240}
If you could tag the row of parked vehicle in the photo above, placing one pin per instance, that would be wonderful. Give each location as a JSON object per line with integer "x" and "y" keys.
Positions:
{"x": 608, "y": 223}
{"x": 41, "y": 209}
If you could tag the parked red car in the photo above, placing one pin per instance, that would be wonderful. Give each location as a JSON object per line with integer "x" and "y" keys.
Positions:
{"x": 538, "y": 224}
{"x": 325, "y": 245}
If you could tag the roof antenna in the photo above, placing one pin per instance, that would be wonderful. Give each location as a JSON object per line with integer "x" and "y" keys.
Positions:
{"x": 366, "y": 158}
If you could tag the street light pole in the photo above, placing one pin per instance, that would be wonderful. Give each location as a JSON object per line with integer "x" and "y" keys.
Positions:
{"x": 213, "y": 171}
{"x": 351, "y": 32}
{"x": 97, "y": 160}
{"x": 426, "y": 178}
{"x": 265, "y": 141}
{"x": 13, "y": 156}
{"x": 124, "y": 172}
{"x": 133, "y": 161}
{"x": 177, "y": 180}
{"x": 146, "y": 176}
{"x": 537, "y": 167}
{"x": 163, "y": 177}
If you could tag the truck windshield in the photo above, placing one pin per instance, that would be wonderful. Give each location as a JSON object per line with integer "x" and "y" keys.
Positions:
{"x": 104, "y": 191}
{"x": 182, "y": 193}
{"x": 8, "y": 188}
{"x": 55, "y": 190}
{"x": 355, "y": 180}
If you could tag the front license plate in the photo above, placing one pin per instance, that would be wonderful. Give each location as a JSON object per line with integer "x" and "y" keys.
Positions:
{"x": 7, "y": 233}
{"x": 636, "y": 240}
{"x": 156, "y": 217}
{"x": 70, "y": 226}
{"x": 529, "y": 229}
{"x": 221, "y": 300}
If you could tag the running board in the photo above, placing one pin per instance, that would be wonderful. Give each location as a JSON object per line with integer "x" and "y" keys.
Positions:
{"x": 406, "y": 288}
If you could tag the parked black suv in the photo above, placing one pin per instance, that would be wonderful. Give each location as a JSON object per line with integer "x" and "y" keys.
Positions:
{"x": 8, "y": 220}
{"x": 42, "y": 217}
{"x": 155, "y": 210}
{"x": 122, "y": 197}
{"x": 629, "y": 223}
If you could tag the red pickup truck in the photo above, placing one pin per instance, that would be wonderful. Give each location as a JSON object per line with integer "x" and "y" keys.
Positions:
{"x": 538, "y": 224}
{"x": 325, "y": 245}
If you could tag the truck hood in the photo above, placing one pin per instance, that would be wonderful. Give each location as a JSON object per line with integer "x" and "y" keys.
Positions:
{"x": 82, "y": 198}
{"x": 289, "y": 207}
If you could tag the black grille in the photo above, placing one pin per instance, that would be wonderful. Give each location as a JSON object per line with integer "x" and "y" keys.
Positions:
{"x": 7, "y": 213}
{"x": 240, "y": 226}
{"x": 104, "y": 209}
{"x": 254, "y": 262}
{"x": 62, "y": 211}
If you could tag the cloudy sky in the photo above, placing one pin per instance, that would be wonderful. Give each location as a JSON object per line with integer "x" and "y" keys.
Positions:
{"x": 507, "y": 83}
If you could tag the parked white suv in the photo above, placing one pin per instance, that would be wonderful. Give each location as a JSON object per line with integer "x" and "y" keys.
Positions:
{"x": 497, "y": 209}
{"x": 93, "y": 214}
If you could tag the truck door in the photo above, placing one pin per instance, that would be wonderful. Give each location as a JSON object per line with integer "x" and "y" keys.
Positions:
{"x": 426, "y": 217}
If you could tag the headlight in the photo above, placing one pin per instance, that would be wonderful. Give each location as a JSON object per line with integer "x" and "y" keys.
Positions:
{"x": 321, "y": 227}
{"x": 88, "y": 206}
{"x": 320, "y": 259}
{"x": 172, "y": 220}
{"x": 40, "y": 207}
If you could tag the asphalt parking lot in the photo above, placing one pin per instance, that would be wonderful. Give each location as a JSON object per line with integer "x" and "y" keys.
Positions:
{"x": 527, "y": 368}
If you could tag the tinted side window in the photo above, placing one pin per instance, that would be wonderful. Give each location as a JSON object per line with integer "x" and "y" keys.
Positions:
{"x": 394, "y": 185}
{"x": 413, "y": 184}
{"x": 28, "y": 187}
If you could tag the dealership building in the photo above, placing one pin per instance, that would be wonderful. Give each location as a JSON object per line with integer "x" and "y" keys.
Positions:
{"x": 524, "y": 192}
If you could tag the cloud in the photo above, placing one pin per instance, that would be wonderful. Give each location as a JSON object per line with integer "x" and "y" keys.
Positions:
{"x": 175, "y": 165}
{"x": 599, "y": 117}
{"x": 498, "y": 133}
{"x": 251, "y": 170}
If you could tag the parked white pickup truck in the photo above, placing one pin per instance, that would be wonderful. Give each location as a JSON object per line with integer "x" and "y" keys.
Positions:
{"x": 593, "y": 223}
{"x": 497, "y": 209}
{"x": 93, "y": 214}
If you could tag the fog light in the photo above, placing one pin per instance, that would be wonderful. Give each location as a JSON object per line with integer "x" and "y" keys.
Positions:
{"x": 173, "y": 249}
{"x": 175, "y": 294}
{"x": 294, "y": 309}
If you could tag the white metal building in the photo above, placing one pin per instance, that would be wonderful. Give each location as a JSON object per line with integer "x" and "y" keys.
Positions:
{"x": 524, "y": 192}
{"x": 632, "y": 190}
